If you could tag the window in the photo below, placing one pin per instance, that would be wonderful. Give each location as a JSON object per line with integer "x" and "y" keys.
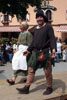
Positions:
{"x": 49, "y": 15}
{"x": 45, "y": 2}
{"x": 28, "y": 17}
{"x": 5, "y": 19}
{"x": 66, "y": 14}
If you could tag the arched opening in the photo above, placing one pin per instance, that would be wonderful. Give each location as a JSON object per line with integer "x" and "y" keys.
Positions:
{"x": 49, "y": 15}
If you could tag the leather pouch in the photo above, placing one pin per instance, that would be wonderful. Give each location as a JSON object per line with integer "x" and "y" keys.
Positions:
{"x": 42, "y": 58}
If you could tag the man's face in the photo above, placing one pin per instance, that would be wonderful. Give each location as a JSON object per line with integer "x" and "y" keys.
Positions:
{"x": 40, "y": 20}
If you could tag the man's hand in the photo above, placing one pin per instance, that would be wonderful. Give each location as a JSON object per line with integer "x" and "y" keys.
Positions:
{"x": 26, "y": 53}
{"x": 53, "y": 53}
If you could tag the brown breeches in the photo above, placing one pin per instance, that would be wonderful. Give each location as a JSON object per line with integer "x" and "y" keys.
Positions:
{"x": 48, "y": 75}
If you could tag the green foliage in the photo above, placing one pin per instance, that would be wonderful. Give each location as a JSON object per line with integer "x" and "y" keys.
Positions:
{"x": 18, "y": 7}
{"x": 3, "y": 40}
{"x": 12, "y": 42}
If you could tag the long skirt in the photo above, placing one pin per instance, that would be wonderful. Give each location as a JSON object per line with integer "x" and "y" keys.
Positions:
{"x": 19, "y": 62}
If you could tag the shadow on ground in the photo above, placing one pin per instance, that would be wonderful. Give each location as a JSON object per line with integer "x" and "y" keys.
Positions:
{"x": 1, "y": 71}
{"x": 40, "y": 83}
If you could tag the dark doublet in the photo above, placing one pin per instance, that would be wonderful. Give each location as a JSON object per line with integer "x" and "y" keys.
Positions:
{"x": 43, "y": 39}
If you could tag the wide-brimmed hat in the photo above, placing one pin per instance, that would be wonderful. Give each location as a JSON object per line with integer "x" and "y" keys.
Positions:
{"x": 41, "y": 13}
{"x": 24, "y": 24}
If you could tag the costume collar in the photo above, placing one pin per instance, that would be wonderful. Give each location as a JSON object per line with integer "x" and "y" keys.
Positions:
{"x": 25, "y": 32}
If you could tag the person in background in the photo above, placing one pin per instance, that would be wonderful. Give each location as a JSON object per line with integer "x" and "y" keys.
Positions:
{"x": 2, "y": 54}
{"x": 9, "y": 51}
{"x": 43, "y": 41}
{"x": 15, "y": 47}
{"x": 19, "y": 62}
{"x": 64, "y": 52}
{"x": 65, "y": 41}
{"x": 59, "y": 50}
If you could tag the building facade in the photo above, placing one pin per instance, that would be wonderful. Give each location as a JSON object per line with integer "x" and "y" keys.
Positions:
{"x": 60, "y": 18}
{"x": 55, "y": 10}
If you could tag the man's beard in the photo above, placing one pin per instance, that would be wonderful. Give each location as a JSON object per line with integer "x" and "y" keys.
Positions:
{"x": 40, "y": 22}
